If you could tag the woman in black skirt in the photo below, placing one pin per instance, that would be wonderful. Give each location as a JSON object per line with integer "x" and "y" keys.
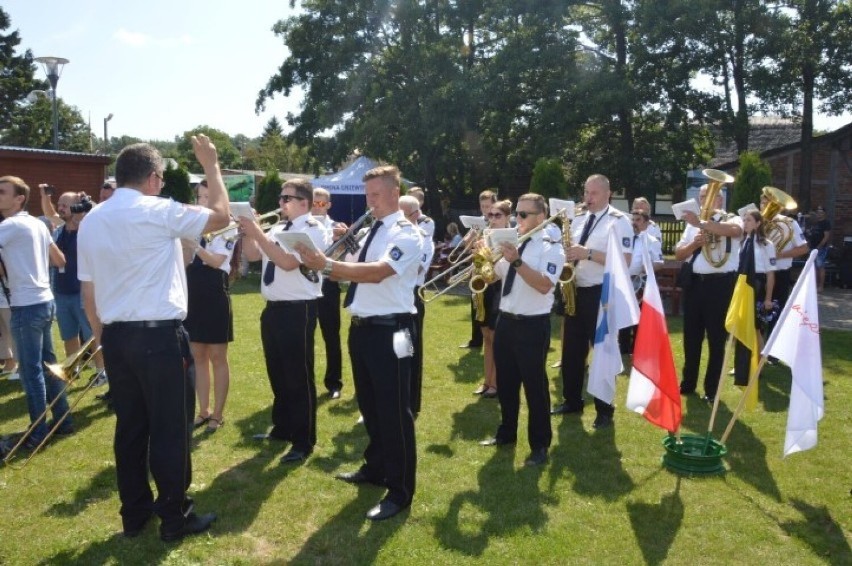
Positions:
{"x": 498, "y": 217}
{"x": 210, "y": 322}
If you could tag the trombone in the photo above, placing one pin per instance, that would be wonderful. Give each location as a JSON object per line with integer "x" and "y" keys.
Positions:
{"x": 68, "y": 371}
{"x": 265, "y": 220}
{"x": 460, "y": 252}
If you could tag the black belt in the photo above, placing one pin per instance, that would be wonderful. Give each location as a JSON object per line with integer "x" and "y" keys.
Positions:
{"x": 514, "y": 316}
{"x": 170, "y": 323}
{"x": 589, "y": 289}
{"x": 711, "y": 276}
{"x": 382, "y": 320}
{"x": 289, "y": 303}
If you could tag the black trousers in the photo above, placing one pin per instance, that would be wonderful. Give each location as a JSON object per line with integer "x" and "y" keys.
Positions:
{"x": 704, "y": 310}
{"x": 780, "y": 292}
{"x": 382, "y": 387}
{"x": 520, "y": 352}
{"x": 417, "y": 358}
{"x": 152, "y": 381}
{"x": 328, "y": 312}
{"x": 287, "y": 332}
{"x": 577, "y": 340}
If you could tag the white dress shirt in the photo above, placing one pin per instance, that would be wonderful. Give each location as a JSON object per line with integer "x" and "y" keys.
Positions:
{"x": 540, "y": 255}
{"x": 294, "y": 285}
{"x": 590, "y": 273}
{"x": 701, "y": 265}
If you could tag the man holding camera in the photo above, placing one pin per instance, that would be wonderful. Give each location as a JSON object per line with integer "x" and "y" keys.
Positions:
{"x": 25, "y": 250}
{"x": 73, "y": 325}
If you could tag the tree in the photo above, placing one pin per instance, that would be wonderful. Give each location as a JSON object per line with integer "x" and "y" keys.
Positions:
{"x": 548, "y": 178}
{"x": 32, "y": 126}
{"x": 752, "y": 175}
{"x": 177, "y": 184}
{"x": 811, "y": 59}
{"x": 268, "y": 189}
{"x": 229, "y": 156}
{"x": 16, "y": 74}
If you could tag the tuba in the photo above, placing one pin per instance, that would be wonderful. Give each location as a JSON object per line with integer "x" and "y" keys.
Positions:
{"x": 779, "y": 229}
{"x": 713, "y": 250}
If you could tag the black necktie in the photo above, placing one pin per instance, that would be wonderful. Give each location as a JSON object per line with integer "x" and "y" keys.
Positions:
{"x": 350, "y": 292}
{"x": 746, "y": 255}
{"x": 510, "y": 276}
{"x": 269, "y": 272}
{"x": 197, "y": 259}
{"x": 587, "y": 229}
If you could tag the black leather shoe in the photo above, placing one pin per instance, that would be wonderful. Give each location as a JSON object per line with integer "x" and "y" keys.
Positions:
{"x": 134, "y": 530}
{"x": 686, "y": 391}
{"x": 602, "y": 421}
{"x": 707, "y": 399}
{"x": 537, "y": 457}
{"x": 294, "y": 456}
{"x": 496, "y": 441}
{"x": 384, "y": 510}
{"x": 194, "y": 524}
{"x": 470, "y": 345}
{"x": 358, "y": 477}
{"x": 565, "y": 409}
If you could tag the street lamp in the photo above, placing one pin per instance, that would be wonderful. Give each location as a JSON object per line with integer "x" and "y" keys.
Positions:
{"x": 53, "y": 70}
{"x": 106, "y": 136}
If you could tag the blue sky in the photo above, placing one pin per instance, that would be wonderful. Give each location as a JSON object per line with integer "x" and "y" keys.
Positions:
{"x": 162, "y": 68}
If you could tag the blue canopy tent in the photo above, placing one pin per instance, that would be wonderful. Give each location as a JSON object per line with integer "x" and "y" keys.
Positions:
{"x": 348, "y": 201}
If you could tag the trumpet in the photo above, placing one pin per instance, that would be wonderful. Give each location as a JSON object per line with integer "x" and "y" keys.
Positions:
{"x": 265, "y": 221}
{"x": 469, "y": 271}
{"x": 349, "y": 242}
{"x": 69, "y": 370}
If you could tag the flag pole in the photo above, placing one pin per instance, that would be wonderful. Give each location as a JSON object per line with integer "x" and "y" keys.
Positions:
{"x": 725, "y": 362}
{"x": 752, "y": 383}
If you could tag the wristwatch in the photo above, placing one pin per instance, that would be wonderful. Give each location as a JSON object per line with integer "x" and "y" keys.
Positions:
{"x": 517, "y": 263}
{"x": 329, "y": 266}
{"x": 590, "y": 254}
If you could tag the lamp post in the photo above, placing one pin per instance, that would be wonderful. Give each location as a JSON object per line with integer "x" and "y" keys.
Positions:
{"x": 53, "y": 70}
{"x": 106, "y": 136}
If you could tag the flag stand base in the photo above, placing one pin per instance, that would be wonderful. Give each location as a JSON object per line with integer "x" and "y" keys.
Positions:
{"x": 688, "y": 456}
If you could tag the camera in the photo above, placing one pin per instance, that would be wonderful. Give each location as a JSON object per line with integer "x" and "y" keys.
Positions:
{"x": 49, "y": 190}
{"x": 85, "y": 205}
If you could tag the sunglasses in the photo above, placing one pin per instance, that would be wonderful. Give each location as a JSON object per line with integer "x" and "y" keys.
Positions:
{"x": 523, "y": 214}
{"x": 320, "y": 204}
{"x": 495, "y": 215}
{"x": 288, "y": 198}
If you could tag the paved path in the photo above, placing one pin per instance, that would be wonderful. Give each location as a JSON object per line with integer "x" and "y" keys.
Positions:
{"x": 835, "y": 308}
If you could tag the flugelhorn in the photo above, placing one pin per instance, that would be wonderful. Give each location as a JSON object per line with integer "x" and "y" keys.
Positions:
{"x": 711, "y": 250}
{"x": 265, "y": 221}
{"x": 779, "y": 229}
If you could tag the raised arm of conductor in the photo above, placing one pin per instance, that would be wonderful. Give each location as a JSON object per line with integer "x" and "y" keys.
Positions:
{"x": 218, "y": 203}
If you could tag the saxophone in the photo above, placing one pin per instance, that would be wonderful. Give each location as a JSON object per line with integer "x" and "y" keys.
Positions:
{"x": 483, "y": 276}
{"x": 567, "y": 285}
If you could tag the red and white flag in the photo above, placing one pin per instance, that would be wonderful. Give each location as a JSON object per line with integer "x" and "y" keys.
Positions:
{"x": 795, "y": 341}
{"x": 653, "y": 390}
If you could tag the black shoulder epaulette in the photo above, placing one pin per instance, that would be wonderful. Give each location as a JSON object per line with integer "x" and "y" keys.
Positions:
{"x": 311, "y": 222}
{"x": 615, "y": 212}
{"x": 424, "y": 219}
{"x": 403, "y": 223}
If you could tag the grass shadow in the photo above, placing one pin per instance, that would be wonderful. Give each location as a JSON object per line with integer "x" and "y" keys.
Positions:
{"x": 821, "y": 532}
{"x": 475, "y": 517}
{"x": 747, "y": 459}
{"x": 363, "y": 544}
{"x": 595, "y": 461}
{"x": 656, "y": 525}
{"x": 101, "y": 487}
{"x": 469, "y": 368}
{"x": 349, "y": 446}
{"x": 476, "y": 421}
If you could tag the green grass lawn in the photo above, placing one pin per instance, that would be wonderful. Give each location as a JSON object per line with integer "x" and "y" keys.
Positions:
{"x": 602, "y": 498}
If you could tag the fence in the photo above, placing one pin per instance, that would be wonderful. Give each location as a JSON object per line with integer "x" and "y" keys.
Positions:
{"x": 672, "y": 231}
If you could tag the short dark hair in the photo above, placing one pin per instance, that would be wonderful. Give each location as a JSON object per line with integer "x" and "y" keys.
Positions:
{"x": 21, "y": 188}
{"x": 488, "y": 194}
{"x": 538, "y": 200}
{"x": 135, "y": 164}
{"x": 302, "y": 187}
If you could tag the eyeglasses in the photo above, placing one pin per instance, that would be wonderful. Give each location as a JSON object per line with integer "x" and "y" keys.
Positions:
{"x": 523, "y": 214}
{"x": 495, "y": 215}
{"x": 320, "y": 204}
{"x": 288, "y": 198}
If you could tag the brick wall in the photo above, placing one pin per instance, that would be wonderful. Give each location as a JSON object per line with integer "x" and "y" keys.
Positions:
{"x": 66, "y": 171}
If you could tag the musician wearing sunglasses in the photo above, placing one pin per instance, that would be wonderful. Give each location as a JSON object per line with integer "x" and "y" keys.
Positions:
{"x": 589, "y": 236}
{"x": 529, "y": 273}
{"x": 289, "y": 320}
{"x": 134, "y": 291}
{"x": 380, "y": 299}
{"x": 328, "y": 307}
